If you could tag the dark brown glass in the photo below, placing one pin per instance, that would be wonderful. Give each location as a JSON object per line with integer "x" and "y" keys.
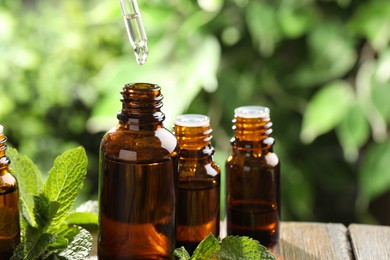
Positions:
{"x": 9, "y": 205}
{"x": 198, "y": 200}
{"x": 253, "y": 181}
{"x": 137, "y": 186}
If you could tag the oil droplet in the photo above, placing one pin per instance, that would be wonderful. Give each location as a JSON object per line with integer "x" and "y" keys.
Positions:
{"x": 141, "y": 53}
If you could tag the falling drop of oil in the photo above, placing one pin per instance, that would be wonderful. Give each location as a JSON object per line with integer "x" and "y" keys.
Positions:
{"x": 141, "y": 53}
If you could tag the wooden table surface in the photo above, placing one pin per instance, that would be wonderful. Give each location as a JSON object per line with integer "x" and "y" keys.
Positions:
{"x": 329, "y": 241}
{"x": 315, "y": 241}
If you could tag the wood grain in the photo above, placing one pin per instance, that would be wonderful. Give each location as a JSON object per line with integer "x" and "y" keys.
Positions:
{"x": 370, "y": 242}
{"x": 312, "y": 241}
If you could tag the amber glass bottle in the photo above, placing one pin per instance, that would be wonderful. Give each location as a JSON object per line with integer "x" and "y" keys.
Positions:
{"x": 253, "y": 178}
{"x": 198, "y": 198}
{"x": 9, "y": 205}
{"x": 137, "y": 186}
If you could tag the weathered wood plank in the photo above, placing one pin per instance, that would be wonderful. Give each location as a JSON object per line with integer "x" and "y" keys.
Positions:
{"x": 370, "y": 241}
{"x": 312, "y": 241}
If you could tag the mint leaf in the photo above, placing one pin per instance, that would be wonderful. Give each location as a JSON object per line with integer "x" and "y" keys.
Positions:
{"x": 181, "y": 253}
{"x": 45, "y": 234}
{"x": 206, "y": 248}
{"x": 82, "y": 218}
{"x": 230, "y": 248}
{"x": 236, "y": 247}
{"x": 65, "y": 181}
{"x": 44, "y": 211}
{"x": 266, "y": 255}
{"x": 65, "y": 235}
{"x": 35, "y": 245}
{"x": 80, "y": 246}
{"x": 29, "y": 181}
{"x": 18, "y": 252}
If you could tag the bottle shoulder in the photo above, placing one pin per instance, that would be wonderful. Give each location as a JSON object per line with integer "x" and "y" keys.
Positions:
{"x": 139, "y": 145}
{"x": 250, "y": 158}
{"x": 8, "y": 182}
{"x": 198, "y": 168}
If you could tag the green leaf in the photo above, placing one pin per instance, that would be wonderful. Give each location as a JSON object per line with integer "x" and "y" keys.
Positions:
{"x": 235, "y": 247}
{"x": 35, "y": 245}
{"x": 82, "y": 218}
{"x": 44, "y": 211}
{"x": 353, "y": 132}
{"x": 263, "y": 27}
{"x": 374, "y": 177}
{"x": 231, "y": 247}
{"x": 65, "y": 235}
{"x": 326, "y": 110}
{"x": 29, "y": 181}
{"x": 332, "y": 55}
{"x": 295, "y": 22}
{"x": 80, "y": 246}
{"x": 206, "y": 248}
{"x": 372, "y": 20}
{"x": 181, "y": 253}
{"x": 65, "y": 181}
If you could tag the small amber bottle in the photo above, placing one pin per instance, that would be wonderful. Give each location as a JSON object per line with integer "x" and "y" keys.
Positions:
{"x": 137, "y": 186}
{"x": 9, "y": 205}
{"x": 253, "y": 178}
{"x": 198, "y": 199}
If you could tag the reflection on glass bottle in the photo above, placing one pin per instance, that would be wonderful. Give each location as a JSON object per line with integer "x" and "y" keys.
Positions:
{"x": 9, "y": 205}
{"x": 253, "y": 178}
{"x": 198, "y": 199}
{"x": 137, "y": 188}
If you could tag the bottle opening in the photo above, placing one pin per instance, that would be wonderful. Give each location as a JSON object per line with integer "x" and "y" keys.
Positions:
{"x": 140, "y": 86}
{"x": 192, "y": 120}
{"x": 252, "y": 112}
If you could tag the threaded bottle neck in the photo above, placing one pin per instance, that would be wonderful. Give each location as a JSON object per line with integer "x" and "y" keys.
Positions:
{"x": 4, "y": 160}
{"x": 141, "y": 104}
{"x": 252, "y": 124}
{"x": 193, "y": 133}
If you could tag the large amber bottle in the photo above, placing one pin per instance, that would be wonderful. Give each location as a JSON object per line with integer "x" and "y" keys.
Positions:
{"x": 198, "y": 199}
{"x": 9, "y": 205}
{"x": 137, "y": 186}
{"x": 253, "y": 178}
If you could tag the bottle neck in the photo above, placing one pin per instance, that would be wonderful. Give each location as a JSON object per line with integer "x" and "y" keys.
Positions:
{"x": 194, "y": 142}
{"x": 141, "y": 107}
{"x": 252, "y": 133}
{"x": 4, "y": 160}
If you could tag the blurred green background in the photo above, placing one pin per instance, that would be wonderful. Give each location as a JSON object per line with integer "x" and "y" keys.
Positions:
{"x": 322, "y": 67}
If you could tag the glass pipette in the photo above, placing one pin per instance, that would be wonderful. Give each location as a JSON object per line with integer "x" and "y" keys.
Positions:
{"x": 135, "y": 29}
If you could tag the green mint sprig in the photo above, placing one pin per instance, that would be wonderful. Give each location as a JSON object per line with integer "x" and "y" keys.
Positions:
{"x": 49, "y": 228}
{"x": 231, "y": 247}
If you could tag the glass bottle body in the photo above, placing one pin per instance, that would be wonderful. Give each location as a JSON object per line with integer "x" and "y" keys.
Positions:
{"x": 253, "y": 183}
{"x": 138, "y": 167}
{"x": 9, "y": 205}
{"x": 198, "y": 201}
